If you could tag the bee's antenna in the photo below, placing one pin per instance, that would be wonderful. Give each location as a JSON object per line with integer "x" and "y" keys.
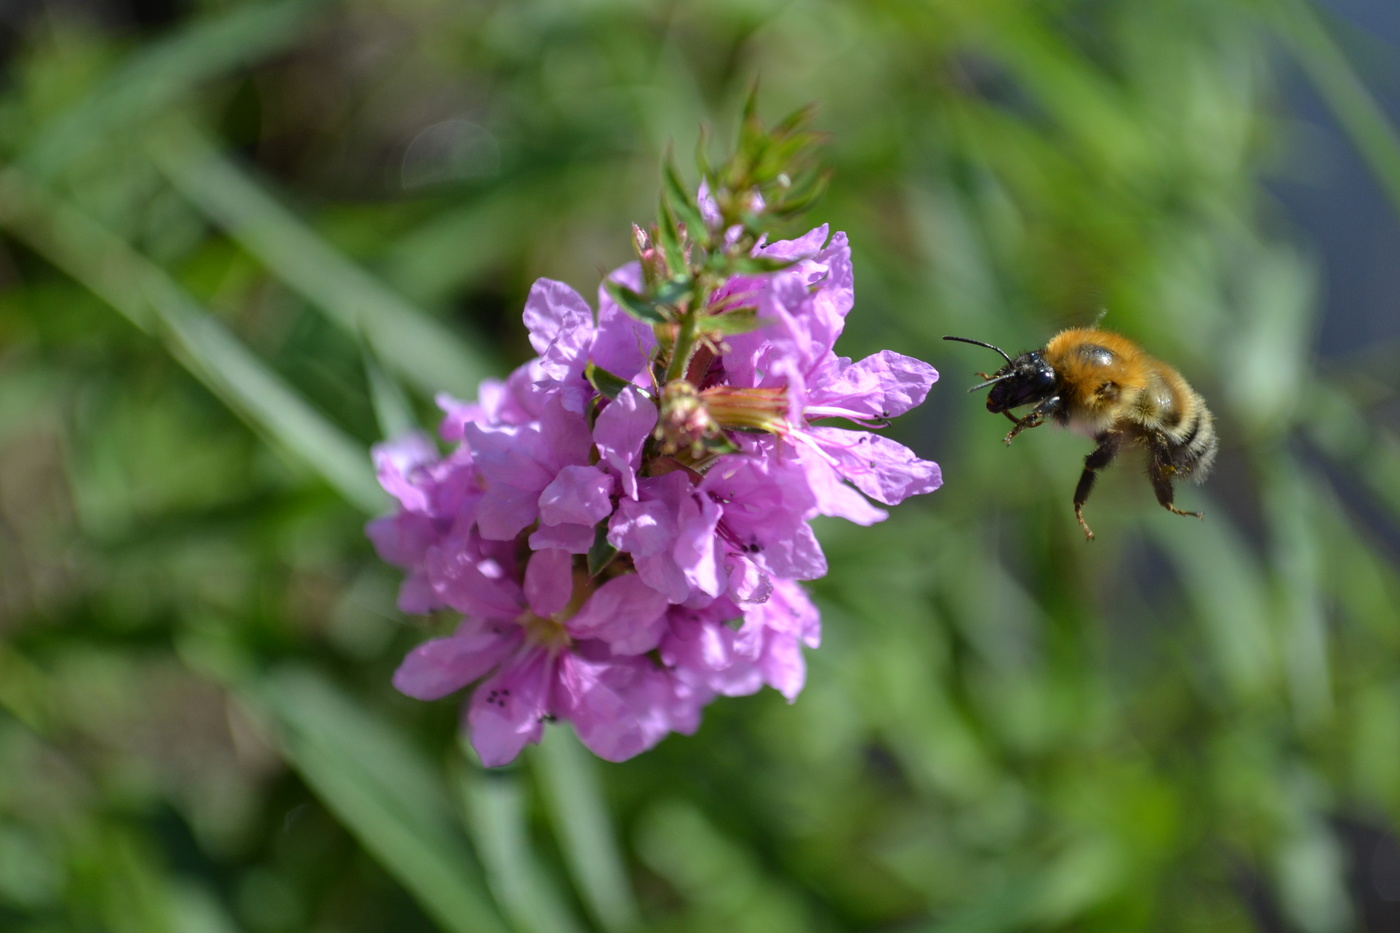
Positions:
{"x": 983, "y": 385}
{"x": 981, "y": 344}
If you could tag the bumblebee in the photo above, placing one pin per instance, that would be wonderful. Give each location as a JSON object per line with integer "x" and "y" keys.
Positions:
{"x": 1102, "y": 385}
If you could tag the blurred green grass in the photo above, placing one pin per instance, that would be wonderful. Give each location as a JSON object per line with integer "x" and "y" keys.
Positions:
{"x": 216, "y": 290}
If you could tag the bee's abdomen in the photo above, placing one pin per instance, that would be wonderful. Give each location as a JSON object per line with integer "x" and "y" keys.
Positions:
{"x": 1194, "y": 447}
{"x": 1185, "y": 423}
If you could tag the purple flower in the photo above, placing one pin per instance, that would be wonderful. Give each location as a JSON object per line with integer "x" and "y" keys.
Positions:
{"x": 806, "y": 306}
{"x": 585, "y": 669}
{"x": 620, "y": 559}
{"x": 765, "y": 649}
{"x": 620, "y": 433}
{"x": 624, "y": 345}
{"x": 766, "y": 505}
{"x": 670, "y": 533}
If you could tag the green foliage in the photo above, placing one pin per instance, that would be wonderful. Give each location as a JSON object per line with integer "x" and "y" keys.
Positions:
{"x": 217, "y": 288}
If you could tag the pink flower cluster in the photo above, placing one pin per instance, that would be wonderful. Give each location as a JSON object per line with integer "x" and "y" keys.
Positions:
{"x": 698, "y": 596}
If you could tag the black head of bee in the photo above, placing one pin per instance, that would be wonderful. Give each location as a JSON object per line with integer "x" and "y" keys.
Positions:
{"x": 1024, "y": 380}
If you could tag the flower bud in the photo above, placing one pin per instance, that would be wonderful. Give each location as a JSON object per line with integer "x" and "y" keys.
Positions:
{"x": 684, "y": 425}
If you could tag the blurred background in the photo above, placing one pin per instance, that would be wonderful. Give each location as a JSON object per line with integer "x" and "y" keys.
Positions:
{"x": 239, "y": 241}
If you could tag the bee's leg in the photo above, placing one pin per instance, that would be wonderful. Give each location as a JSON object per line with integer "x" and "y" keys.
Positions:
{"x": 1102, "y": 456}
{"x": 1019, "y": 422}
{"x": 1034, "y": 418}
{"x": 1161, "y": 472}
{"x": 1031, "y": 420}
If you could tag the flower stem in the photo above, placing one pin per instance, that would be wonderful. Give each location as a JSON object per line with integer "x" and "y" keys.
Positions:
{"x": 687, "y": 330}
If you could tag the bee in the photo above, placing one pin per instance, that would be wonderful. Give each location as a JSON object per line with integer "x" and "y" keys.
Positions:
{"x": 1102, "y": 385}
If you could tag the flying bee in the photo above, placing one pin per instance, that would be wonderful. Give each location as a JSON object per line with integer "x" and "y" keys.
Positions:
{"x": 1102, "y": 385}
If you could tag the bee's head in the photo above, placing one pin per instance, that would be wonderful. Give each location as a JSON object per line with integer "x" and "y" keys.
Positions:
{"x": 1025, "y": 380}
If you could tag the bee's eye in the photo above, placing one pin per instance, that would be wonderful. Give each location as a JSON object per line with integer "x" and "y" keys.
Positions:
{"x": 1025, "y": 388}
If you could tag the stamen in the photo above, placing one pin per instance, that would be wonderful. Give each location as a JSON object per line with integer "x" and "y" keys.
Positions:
{"x": 813, "y": 412}
{"x": 547, "y": 633}
{"x": 755, "y": 409}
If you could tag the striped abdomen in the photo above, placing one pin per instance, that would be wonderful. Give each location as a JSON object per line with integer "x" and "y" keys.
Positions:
{"x": 1175, "y": 420}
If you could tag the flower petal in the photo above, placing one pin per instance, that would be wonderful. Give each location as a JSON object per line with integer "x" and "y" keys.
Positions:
{"x": 507, "y": 711}
{"x": 396, "y": 464}
{"x": 444, "y": 665}
{"x": 576, "y": 539}
{"x": 782, "y": 665}
{"x": 642, "y": 529}
{"x": 883, "y": 469}
{"x": 804, "y": 246}
{"x": 602, "y": 717}
{"x": 620, "y": 431}
{"x": 561, "y": 331}
{"x": 465, "y": 580}
{"x": 625, "y": 612}
{"x": 402, "y": 539}
{"x": 748, "y": 582}
{"x": 579, "y": 494}
{"x": 834, "y": 497}
{"x": 697, "y": 550}
{"x": 624, "y": 344}
{"x": 883, "y": 385}
{"x": 549, "y": 581}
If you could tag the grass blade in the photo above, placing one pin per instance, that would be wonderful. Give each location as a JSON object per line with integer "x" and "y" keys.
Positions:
{"x": 1335, "y": 78}
{"x": 162, "y": 73}
{"x": 1235, "y": 610}
{"x": 381, "y": 789}
{"x": 147, "y": 296}
{"x": 495, "y": 806}
{"x": 193, "y": 909}
{"x": 411, "y": 344}
{"x": 392, "y": 411}
{"x": 573, "y": 798}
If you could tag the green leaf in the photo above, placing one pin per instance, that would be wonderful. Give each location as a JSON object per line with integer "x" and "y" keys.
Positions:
{"x": 193, "y": 909}
{"x": 748, "y": 148}
{"x": 791, "y": 125}
{"x": 1000, "y": 909}
{"x": 601, "y": 553}
{"x": 675, "y": 290}
{"x": 1235, "y": 610}
{"x": 261, "y": 396}
{"x": 806, "y": 190}
{"x": 683, "y": 203}
{"x": 702, "y": 160}
{"x": 755, "y": 265}
{"x": 669, "y": 239}
{"x": 635, "y": 304}
{"x": 606, "y": 383}
{"x": 738, "y": 321}
{"x": 720, "y": 874}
